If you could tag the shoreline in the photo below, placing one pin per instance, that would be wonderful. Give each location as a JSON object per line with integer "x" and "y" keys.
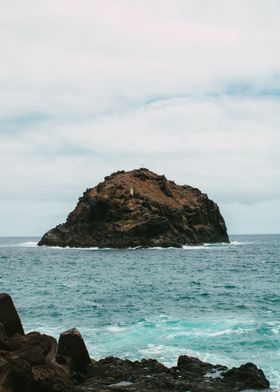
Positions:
{"x": 206, "y": 245}
{"x": 37, "y": 362}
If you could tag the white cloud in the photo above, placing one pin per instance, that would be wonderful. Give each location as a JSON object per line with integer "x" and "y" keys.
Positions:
{"x": 188, "y": 88}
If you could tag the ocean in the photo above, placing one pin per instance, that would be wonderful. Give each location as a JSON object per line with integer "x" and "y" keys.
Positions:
{"x": 220, "y": 303}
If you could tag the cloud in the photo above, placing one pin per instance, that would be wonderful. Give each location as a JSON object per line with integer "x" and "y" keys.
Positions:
{"x": 187, "y": 88}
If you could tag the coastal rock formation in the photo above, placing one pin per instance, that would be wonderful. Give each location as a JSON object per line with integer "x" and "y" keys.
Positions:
{"x": 9, "y": 319}
{"x": 34, "y": 362}
{"x": 148, "y": 375}
{"x": 72, "y": 347}
{"x": 140, "y": 208}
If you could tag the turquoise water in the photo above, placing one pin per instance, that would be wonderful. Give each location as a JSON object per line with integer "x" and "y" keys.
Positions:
{"x": 220, "y": 303}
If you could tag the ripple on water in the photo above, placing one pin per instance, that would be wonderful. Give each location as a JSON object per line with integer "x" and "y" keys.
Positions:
{"x": 220, "y": 303}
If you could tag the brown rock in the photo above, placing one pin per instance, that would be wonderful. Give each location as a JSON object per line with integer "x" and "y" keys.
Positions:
{"x": 36, "y": 348}
{"x": 9, "y": 317}
{"x": 140, "y": 208}
{"x": 27, "y": 364}
{"x": 16, "y": 376}
{"x": 247, "y": 376}
{"x": 50, "y": 378}
{"x": 72, "y": 346}
{"x": 193, "y": 366}
{"x": 192, "y": 374}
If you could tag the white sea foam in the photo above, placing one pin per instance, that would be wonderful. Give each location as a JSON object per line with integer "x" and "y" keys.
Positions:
{"x": 191, "y": 247}
{"x": 229, "y": 331}
{"x": 240, "y": 243}
{"x": 75, "y": 248}
{"x": 29, "y": 244}
{"x": 165, "y": 353}
{"x": 213, "y": 374}
{"x": 115, "y": 328}
{"x": 206, "y": 246}
{"x": 203, "y": 333}
{"x": 214, "y": 246}
{"x": 168, "y": 355}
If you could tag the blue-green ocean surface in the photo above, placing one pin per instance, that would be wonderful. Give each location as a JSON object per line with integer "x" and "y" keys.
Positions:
{"x": 220, "y": 303}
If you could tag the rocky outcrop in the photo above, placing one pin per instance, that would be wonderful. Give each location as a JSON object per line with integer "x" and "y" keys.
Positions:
{"x": 140, "y": 209}
{"x": 9, "y": 320}
{"x": 28, "y": 363}
{"x": 34, "y": 362}
{"x": 72, "y": 348}
{"x": 190, "y": 374}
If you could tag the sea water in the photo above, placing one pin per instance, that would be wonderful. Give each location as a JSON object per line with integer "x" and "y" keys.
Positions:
{"x": 220, "y": 303}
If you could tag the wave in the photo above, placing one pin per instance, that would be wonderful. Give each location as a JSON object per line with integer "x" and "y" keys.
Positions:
{"x": 162, "y": 337}
{"x": 229, "y": 331}
{"x": 217, "y": 245}
{"x": 207, "y": 246}
{"x": 240, "y": 243}
{"x": 29, "y": 244}
{"x": 185, "y": 247}
{"x": 116, "y": 329}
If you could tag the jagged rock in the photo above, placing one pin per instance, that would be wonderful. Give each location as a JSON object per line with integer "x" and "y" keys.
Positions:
{"x": 140, "y": 208}
{"x": 247, "y": 376}
{"x": 16, "y": 376}
{"x": 194, "y": 368}
{"x": 191, "y": 374}
{"x": 51, "y": 378}
{"x": 9, "y": 317}
{"x": 28, "y": 365}
{"x": 72, "y": 346}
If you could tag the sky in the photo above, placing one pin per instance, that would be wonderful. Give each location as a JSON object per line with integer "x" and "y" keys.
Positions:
{"x": 186, "y": 88}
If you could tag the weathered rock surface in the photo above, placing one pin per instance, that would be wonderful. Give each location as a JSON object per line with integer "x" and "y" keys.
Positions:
{"x": 72, "y": 346}
{"x": 140, "y": 208}
{"x": 191, "y": 374}
{"x": 34, "y": 363}
{"x": 28, "y": 364}
{"x": 9, "y": 318}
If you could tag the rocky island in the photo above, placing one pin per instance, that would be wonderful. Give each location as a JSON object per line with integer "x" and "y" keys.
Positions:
{"x": 35, "y": 362}
{"x": 140, "y": 208}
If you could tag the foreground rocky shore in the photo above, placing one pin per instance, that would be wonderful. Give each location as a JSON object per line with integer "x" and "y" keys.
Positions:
{"x": 35, "y": 362}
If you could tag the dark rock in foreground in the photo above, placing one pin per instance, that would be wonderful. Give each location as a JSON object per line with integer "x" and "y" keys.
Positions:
{"x": 9, "y": 319}
{"x": 34, "y": 362}
{"x": 72, "y": 347}
{"x": 148, "y": 375}
{"x": 140, "y": 208}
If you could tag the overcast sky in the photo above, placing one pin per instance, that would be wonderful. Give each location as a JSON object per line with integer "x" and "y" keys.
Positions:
{"x": 186, "y": 88}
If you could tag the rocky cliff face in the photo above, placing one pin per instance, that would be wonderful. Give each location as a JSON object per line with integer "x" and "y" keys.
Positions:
{"x": 140, "y": 208}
